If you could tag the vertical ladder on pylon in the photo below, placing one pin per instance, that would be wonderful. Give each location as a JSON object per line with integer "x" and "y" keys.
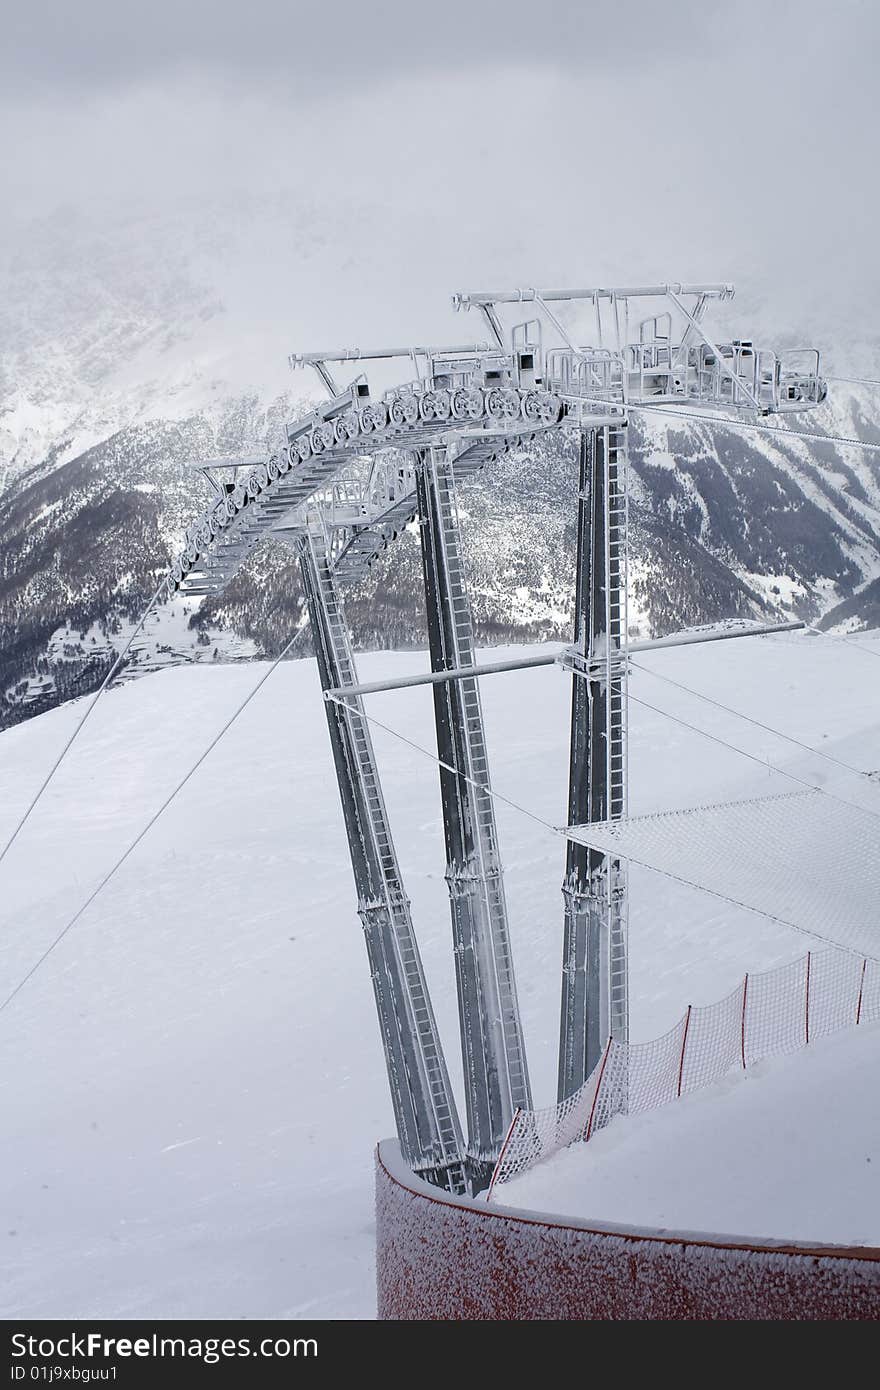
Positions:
{"x": 595, "y": 973}
{"x": 424, "y": 1106}
{"x": 616, "y": 526}
{"x": 496, "y": 1075}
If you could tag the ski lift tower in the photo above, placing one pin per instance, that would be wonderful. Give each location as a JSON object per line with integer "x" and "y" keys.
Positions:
{"x": 352, "y": 475}
{"x": 648, "y": 346}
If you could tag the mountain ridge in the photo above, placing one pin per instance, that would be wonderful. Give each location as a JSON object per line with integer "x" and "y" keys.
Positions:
{"x": 128, "y": 353}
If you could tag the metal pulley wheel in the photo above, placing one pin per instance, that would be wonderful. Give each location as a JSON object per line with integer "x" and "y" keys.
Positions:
{"x": 409, "y": 408}
{"x": 541, "y": 407}
{"x": 397, "y": 412}
{"x": 435, "y": 405}
{"x": 321, "y": 438}
{"x": 467, "y": 403}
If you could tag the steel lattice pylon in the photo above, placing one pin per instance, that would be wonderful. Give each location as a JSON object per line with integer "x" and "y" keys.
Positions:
{"x": 351, "y": 476}
{"x": 594, "y": 971}
{"x": 424, "y": 1107}
{"x": 493, "y": 1050}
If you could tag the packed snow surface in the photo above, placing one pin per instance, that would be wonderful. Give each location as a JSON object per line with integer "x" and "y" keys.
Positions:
{"x": 191, "y": 1084}
{"x": 789, "y": 1148}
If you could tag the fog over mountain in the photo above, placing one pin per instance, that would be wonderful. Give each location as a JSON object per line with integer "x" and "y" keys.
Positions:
{"x": 184, "y": 211}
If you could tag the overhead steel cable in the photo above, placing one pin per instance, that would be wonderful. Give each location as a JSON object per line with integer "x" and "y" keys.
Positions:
{"x": 728, "y": 709}
{"x": 561, "y": 831}
{"x": 855, "y": 380}
{"x": 151, "y": 822}
{"x": 753, "y": 757}
{"x": 846, "y": 441}
{"x": 843, "y": 637}
{"x": 738, "y": 902}
{"x": 480, "y": 786}
{"x": 88, "y": 711}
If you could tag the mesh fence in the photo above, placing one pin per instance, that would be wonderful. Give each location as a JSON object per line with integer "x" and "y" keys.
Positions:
{"x": 776, "y": 1011}
{"x": 804, "y": 858}
{"x": 869, "y": 999}
{"x": 835, "y": 985}
{"x": 770, "y": 1013}
{"x": 714, "y": 1041}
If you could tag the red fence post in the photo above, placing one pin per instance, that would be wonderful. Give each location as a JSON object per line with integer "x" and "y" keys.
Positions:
{"x": 807, "y": 1001}
{"x": 598, "y": 1089}
{"x": 742, "y": 1036}
{"x": 687, "y": 1024}
{"x": 861, "y": 989}
{"x": 496, "y": 1170}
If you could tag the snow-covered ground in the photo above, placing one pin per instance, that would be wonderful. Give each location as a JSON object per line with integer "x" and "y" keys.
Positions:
{"x": 788, "y": 1149}
{"x": 191, "y": 1084}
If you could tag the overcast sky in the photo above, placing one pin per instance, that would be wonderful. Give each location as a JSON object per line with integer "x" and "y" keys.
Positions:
{"x": 580, "y": 141}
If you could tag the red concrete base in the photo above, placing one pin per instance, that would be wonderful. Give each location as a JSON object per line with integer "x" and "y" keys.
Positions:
{"x": 451, "y": 1258}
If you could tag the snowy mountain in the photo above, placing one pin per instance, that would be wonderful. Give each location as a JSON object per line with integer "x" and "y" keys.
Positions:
{"x": 129, "y": 348}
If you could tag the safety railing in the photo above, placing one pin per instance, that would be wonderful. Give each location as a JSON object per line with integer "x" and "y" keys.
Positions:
{"x": 768, "y": 1014}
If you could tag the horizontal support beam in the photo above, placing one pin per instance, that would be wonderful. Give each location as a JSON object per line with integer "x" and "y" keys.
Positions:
{"x": 355, "y": 354}
{"x": 229, "y": 461}
{"x": 529, "y": 296}
{"x": 438, "y": 677}
{"x": 524, "y": 663}
{"x": 687, "y": 639}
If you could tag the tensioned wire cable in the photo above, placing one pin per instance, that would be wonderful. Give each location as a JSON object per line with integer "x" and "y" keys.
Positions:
{"x": 847, "y": 441}
{"x": 523, "y": 810}
{"x": 480, "y": 786}
{"x": 728, "y": 709}
{"x": 657, "y": 409}
{"x": 842, "y": 637}
{"x": 152, "y": 821}
{"x": 556, "y": 830}
{"x": 737, "y": 902}
{"x": 717, "y": 422}
{"x": 753, "y": 757}
{"x": 342, "y": 703}
{"x": 88, "y": 711}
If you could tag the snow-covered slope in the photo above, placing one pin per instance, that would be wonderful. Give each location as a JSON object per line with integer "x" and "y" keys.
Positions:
{"x": 191, "y": 1084}
{"x": 789, "y": 1149}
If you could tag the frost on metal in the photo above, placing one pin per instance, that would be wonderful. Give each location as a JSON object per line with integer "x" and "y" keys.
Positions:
{"x": 351, "y": 475}
{"x": 456, "y": 1259}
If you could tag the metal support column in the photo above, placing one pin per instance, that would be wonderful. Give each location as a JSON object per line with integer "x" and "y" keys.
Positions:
{"x": 594, "y": 968}
{"x": 424, "y": 1107}
{"x": 496, "y": 1076}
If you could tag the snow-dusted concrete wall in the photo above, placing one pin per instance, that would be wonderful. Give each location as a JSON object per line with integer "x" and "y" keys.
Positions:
{"x": 451, "y": 1258}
